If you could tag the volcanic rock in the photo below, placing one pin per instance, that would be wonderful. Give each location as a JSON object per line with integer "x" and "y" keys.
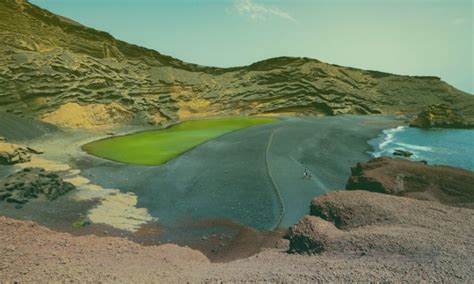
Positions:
{"x": 30, "y": 183}
{"x": 73, "y": 76}
{"x": 364, "y": 223}
{"x": 448, "y": 185}
{"x": 13, "y": 154}
{"x": 440, "y": 116}
{"x": 402, "y": 153}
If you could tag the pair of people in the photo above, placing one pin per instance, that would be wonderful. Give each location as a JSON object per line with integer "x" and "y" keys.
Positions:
{"x": 306, "y": 174}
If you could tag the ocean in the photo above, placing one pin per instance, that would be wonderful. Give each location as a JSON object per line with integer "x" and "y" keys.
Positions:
{"x": 452, "y": 147}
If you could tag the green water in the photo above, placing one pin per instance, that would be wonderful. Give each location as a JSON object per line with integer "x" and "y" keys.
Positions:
{"x": 156, "y": 147}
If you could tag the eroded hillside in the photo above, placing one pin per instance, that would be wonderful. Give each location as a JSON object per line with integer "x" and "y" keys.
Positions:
{"x": 60, "y": 71}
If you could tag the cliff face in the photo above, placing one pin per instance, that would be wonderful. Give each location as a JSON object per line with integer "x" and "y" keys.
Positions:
{"x": 49, "y": 61}
{"x": 440, "y": 116}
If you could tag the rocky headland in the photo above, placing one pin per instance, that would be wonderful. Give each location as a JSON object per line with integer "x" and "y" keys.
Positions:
{"x": 440, "y": 116}
{"x": 444, "y": 184}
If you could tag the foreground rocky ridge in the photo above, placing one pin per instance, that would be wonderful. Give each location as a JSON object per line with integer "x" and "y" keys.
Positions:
{"x": 381, "y": 241}
{"x": 365, "y": 223}
{"x": 372, "y": 221}
{"x": 54, "y": 68}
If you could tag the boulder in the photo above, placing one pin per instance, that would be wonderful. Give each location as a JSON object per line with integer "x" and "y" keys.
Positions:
{"x": 418, "y": 180}
{"x": 13, "y": 154}
{"x": 402, "y": 153}
{"x": 440, "y": 116}
{"x": 35, "y": 151}
{"x": 312, "y": 235}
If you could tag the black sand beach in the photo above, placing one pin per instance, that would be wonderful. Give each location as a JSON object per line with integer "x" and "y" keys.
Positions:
{"x": 250, "y": 178}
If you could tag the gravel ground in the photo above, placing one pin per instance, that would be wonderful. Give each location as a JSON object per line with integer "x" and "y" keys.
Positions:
{"x": 32, "y": 253}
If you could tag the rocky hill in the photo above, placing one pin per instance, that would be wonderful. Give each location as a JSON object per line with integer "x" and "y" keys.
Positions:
{"x": 62, "y": 72}
{"x": 440, "y": 116}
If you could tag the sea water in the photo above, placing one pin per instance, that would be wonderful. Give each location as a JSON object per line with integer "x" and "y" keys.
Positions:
{"x": 453, "y": 147}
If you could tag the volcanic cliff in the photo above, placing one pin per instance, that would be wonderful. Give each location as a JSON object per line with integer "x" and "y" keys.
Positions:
{"x": 62, "y": 72}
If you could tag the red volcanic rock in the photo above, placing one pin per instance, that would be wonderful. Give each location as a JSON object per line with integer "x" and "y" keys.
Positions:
{"x": 361, "y": 223}
{"x": 448, "y": 185}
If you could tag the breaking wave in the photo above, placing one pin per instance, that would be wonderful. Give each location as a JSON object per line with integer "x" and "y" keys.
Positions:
{"x": 454, "y": 147}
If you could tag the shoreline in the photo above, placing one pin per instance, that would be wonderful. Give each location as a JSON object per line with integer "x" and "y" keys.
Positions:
{"x": 288, "y": 177}
{"x": 435, "y": 145}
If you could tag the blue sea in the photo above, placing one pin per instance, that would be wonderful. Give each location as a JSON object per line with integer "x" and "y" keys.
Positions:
{"x": 453, "y": 147}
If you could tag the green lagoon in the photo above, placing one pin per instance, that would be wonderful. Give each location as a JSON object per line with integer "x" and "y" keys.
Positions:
{"x": 152, "y": 148}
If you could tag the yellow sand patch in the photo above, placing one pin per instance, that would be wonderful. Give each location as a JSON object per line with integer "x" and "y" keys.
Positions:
{"x": 78, "y": 180}
{"x": 196, "y": 108}
{"x": 38, "y": 101}
{"x": 178, "y": 90}
{"x": 120, "y": 211}
{"x": 37, "y": 162}
{"x": 155, "y": 117}
{"x": 116, "y": 209}
{"x": 74, "y": 115}
{"x": 8, "y": 147}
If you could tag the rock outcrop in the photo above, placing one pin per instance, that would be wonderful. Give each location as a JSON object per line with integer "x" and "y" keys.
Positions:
{"x": 49, "y": 61}
{"x": 368, "y": 219}
{"x": 402, "y": 153}
{"x": 13, "y": 154}
{"x": 31, "y": 183}
{"x": 440, "y": 116}
{"x": 448, "y": 185}
{"x": 365, "y": 223}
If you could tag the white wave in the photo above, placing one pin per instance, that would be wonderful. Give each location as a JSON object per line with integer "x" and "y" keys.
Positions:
{"x": 390, "y": 135}
{"x": 414, "y": 147}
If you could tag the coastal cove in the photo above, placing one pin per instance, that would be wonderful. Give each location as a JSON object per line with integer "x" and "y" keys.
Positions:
{"x": 225, "y": 186}
{"x": 436, "y": 146}
{"x": 236, "y": 141}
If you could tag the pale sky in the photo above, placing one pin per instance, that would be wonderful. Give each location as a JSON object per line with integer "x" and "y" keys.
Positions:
{"x": 413, "y": 37}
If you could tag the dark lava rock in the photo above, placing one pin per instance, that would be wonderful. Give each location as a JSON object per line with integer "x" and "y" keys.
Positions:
{"x": 440, "y": 116}
{"x": 31, "y": 183}
{"x": 418, "y": 180}
{"x": 402, "y": 153}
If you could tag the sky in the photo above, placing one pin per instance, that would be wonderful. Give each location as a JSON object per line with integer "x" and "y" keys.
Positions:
{"x": 410, "y": 37}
